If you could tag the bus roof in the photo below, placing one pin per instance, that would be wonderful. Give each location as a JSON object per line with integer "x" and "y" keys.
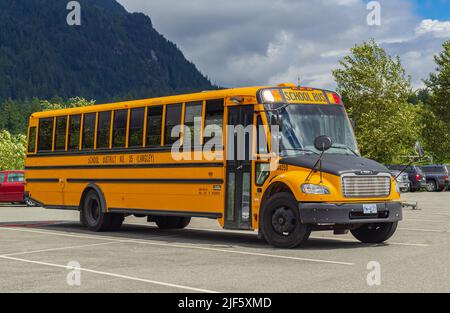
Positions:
{"x": 205, "y": 95}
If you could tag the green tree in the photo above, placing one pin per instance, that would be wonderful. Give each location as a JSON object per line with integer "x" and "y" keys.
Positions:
{"x": 437, "y": 121}
{"x": 69, "y": 104}
{"x": 376, "y": 90}
{"x": 12, "y": 151}
{"x": 14, "y": 114}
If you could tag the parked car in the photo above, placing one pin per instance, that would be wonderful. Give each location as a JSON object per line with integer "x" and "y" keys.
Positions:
{"x": 448, "y": 171}
{"x": 437, "y": 177}
{"x": 403, "y": 182}
{"x": 12, "y": 184}
{"x": 416, "y": 176}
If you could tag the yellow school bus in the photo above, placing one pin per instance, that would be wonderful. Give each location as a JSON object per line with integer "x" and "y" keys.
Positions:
{"x": 174, "y": 158}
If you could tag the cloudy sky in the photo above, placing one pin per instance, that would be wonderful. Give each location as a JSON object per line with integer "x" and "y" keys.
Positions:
{"x": 257, "y": 42}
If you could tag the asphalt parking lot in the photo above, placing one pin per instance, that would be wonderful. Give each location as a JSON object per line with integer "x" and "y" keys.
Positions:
{"x": 36, "y": 245}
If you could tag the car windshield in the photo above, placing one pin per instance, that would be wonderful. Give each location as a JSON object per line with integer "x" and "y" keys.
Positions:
{"x": 302, "y": 123}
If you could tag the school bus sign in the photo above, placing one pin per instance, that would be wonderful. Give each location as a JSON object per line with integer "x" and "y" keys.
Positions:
{"x": 300, "y": 96}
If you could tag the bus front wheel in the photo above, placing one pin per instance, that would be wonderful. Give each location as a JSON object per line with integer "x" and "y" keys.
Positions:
{"x": 281, "y": 225}
{"x": 172, "y": 222}
{"x": 93, "y": 215}
{"x": 375, "y": 233}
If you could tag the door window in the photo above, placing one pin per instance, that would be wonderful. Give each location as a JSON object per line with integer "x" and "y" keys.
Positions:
{"x": 15, "y": 178}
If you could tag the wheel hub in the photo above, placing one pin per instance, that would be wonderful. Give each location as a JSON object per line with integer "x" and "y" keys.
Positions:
{"x": 283, "y": 221}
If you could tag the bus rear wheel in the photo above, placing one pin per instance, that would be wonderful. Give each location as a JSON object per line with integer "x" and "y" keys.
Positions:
{"x": 375, "y": 233}
{"x": 93, "y": 215}
{"x": 172, "y": 222}
{"x": 281, "y": 225}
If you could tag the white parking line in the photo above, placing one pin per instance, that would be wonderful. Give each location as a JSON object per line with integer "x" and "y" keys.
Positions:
{"x": 154, "y": 282}
{"x": 137, "y": 241}
{"x": 388, "y": 242}
{"x": 62, "y": 248}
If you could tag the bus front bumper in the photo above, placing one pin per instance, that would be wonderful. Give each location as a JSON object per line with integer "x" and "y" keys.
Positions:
{"x": 349, "y": 213}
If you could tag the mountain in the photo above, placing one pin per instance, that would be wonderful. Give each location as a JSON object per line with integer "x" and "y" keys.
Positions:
{"x": 112, "y": 55}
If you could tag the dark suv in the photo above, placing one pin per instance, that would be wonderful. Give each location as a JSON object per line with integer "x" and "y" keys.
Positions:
{"x": 416, "y": 176}
{"x": 437, "y": 177}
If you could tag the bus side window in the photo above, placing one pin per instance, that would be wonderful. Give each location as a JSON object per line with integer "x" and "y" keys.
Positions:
{"x": 60, "y": 133}
{"x": 74, "y": 132}
{"x": 45, "y": 137}
{"x": 31, "y": 141}
{"x": 193, "y": 121}
{"x": 103, "y": 130}
{"x": 214, "y": 117}
{"x": 173, "y": 118}
{"x": 136, "y": 134}
{"x": 154, "y": 126}
{"x": 89, "y": 130}
{"x": 120, "y": 128}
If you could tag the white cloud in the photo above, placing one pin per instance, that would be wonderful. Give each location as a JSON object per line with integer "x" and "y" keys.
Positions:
{"x": 437, "y": 28}
{"x": 256, "y": 42}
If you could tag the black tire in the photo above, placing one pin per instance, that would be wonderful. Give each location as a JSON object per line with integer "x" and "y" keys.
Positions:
{"x": 184, "y": 222}
{"x": 93, "y": 215}
{"x": 280, "y": 222}
{"x": 375, "y": 233}
{"x": 83, "y": 219}
{"x": 171, "y": 222}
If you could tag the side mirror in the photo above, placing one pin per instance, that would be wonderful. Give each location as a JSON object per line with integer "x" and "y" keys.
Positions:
{"x": 323, "y": 143}
{"x": 275, "y": 120}
{"x": 419, "y": 150}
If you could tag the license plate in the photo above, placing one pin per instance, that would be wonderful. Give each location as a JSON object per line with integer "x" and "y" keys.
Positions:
{"x": 370, "y": 209}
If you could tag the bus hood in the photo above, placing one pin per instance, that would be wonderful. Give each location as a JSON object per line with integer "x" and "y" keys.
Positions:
{"x": 338, "y": 164}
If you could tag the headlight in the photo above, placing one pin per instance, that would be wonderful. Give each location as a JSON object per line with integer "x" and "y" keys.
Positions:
{"x": 312, "y": 189}
{"x": 397, "y": 186}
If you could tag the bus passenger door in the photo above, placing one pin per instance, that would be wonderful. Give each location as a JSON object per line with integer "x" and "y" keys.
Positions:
{"x": 239, "y": 169}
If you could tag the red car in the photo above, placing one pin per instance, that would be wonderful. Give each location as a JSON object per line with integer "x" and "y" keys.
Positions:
{"x": 12, "y": 185}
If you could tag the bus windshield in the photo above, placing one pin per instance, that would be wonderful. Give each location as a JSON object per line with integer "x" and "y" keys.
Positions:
{"x": 301, "y": 124}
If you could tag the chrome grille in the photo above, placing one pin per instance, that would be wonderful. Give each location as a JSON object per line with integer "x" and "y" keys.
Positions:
{"x": 354, "y": 186}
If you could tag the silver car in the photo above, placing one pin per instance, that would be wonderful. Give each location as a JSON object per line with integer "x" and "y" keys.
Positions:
{"x": 403, "y": 182}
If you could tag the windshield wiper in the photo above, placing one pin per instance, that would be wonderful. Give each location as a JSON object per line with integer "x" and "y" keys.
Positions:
{"x": 344, "y": 147}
